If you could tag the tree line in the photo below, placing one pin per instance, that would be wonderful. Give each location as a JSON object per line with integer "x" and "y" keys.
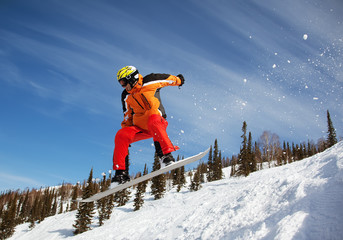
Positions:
{"x": 269, "y": 150}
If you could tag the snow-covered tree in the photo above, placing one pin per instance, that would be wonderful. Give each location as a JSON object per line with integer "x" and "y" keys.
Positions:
{"x": 141, "y": 188}
{"x": 101, "y": 204}
{"x": 210, "y": 164}
{"x": 8, "y": 219}
{"x": 243, "y": 157}
{"x": 86, "y": 210}
{"x": 158, "y": 186}
{"x": 217, "y": 163}
{"x": 195, "y": 181}
{"x": 332, "y": 139}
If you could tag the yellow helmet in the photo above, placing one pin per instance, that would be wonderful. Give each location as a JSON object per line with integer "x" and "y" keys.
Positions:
{"x": 129, "y": 74}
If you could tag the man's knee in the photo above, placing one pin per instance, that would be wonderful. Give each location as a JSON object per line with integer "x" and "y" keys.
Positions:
{"x": 156, "y": 120}
{"x": 123, "y": 135}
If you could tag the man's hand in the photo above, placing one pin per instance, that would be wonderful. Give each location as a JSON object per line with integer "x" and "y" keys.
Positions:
{"x": 182, "y": 79}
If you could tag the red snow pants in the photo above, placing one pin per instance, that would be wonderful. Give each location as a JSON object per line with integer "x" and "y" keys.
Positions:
{"x": 157, "y": 127}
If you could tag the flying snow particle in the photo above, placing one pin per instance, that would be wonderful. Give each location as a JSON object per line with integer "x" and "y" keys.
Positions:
{"x": 288, "y": 61}
{"x": 182, "y": 131}
{"x": 244, "y": 80}
{"x": 274, "y": 65}
{"x": 315, "y": 98}
{"x": 215, "y": 109}
{"x": 305, "y": 36}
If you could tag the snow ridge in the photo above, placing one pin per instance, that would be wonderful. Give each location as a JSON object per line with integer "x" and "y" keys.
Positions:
{"x": 302, "y": 200}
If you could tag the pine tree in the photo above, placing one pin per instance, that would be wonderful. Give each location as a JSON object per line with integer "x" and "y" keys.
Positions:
{"x": 243, "y": 158}
{"x": 251, "y": 155}
{"x": 102, "y": 202}
{"x": 176, "y": 174}
{"x": 40, "y": 208}
{"x": 210, "y": 164}
{"x": 158, "y": 183}
{"x": 233, "y": 164}
{"x": 46, "y": 204}
{"x": 19, "y": 206}
{"x": 296, "y": 152}
{"x": 141, "y": 188}
{"x": 217, "y": 163}
{"x": 122, "y": 197}
{"x": 8, "y": 221}
{"x": 109, "y": 199}
{"x": 257, "y": 157}
{"x": 182, "y": 179}
{"x": 332, "y": 139}
{"x": 25, "y": 208}
{"x": 54, "y": 206}
{"x": 105, "y": 205}
{"x": 195, "y": 181}
{"x": 62, "y": 192}
{"x": 321, "y": 144}
{"x": 202, "y": 169}
{"x": 86, "y": 210}
{"x": 51, "y": 203}
{"x": 311, "y": 148}
{"x": 301, "y": 152}
{"x": 61, "y": 207}
{"x": 290, "y": 153}
{"x": 284, "y": 153}
{"x": 34, "y": 212}
{"x": 233, "y": 170}
{"x": 74, "y": 203}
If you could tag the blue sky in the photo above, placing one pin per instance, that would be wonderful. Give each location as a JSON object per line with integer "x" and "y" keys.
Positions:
{"x": 275, "y": 64}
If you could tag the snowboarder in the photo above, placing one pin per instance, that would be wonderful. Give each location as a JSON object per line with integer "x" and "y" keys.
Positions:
{"x": 144, "y": 117}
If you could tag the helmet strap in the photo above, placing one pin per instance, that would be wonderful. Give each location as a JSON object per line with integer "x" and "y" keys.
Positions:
{"x": 133, "y": 80}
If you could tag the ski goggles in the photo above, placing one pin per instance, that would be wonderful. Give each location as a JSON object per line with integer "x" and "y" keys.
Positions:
{"x": 123, "y": 82}
{"x": 129, "y": 79}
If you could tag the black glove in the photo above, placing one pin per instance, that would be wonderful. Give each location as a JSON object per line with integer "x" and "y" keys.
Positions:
{"x": 182, "y": 79}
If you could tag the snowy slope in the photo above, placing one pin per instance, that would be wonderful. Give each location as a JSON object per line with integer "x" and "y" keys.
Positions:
{"x": 302, "y": 200}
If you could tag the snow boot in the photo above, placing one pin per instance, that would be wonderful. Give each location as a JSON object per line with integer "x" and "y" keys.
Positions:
{"x": 166, "y": 160}
{"x": 120, "y": 177}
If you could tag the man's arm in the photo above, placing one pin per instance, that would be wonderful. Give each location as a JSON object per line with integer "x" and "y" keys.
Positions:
{"x": 162, "y": 80}
{"x": 127, "y": 110}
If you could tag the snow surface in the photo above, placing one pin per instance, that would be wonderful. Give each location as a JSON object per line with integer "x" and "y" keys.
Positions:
{"x": 302, "y": 200}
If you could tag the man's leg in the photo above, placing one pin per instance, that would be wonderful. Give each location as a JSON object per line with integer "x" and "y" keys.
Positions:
{"x": 157, "y": 126}
{"x": 158, "y": 149}
{"x": 122, "y": 141}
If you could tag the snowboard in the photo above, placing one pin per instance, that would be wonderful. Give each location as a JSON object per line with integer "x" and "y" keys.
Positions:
{"x": 145, "y": 177}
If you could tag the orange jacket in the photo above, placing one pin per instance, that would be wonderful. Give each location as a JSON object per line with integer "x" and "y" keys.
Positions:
{"x": 143, "y": 100}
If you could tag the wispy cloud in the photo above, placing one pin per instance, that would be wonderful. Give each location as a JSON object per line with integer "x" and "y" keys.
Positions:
{"x": 10, "y": 181}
